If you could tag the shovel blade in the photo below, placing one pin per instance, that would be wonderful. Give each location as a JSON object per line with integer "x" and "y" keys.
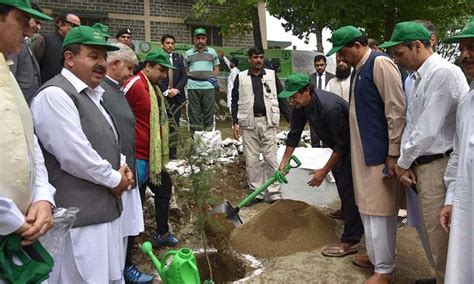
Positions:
{"x": 229, "y": 211}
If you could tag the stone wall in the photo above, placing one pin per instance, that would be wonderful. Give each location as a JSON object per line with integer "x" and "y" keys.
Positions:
{"x": 176, "y": 12}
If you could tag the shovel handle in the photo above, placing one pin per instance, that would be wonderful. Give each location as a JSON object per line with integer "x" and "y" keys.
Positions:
{"x": 289, "y": 166}
{"x": 271, "y": 180}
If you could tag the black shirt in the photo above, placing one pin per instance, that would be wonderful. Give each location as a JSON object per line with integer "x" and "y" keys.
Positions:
{"x": 259, "y": 104}
{"x": 328, "y": 115}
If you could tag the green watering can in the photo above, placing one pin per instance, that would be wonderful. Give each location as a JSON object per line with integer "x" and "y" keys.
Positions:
{"x": 182, "y": 269}
{"x": 232, "y": 213}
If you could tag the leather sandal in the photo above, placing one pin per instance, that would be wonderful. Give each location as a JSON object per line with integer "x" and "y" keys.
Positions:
{"x": 380, "y": 278}
{"x": 340, "y": 249}
{"x": 335, "y": 214}
{"x": 362, "y": 260}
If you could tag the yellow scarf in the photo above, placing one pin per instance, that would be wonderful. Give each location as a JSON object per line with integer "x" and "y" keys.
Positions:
{"x": 159, "y": 134}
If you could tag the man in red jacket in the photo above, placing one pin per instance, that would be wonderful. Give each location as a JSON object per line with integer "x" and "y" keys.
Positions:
{"x": 151, "y": 134}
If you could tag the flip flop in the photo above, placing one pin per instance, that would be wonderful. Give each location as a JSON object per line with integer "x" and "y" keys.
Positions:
{"x": 340, "y": 249}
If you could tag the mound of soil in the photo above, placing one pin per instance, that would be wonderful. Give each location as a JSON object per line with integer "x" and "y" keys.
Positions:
{"x": 284, "y": 228}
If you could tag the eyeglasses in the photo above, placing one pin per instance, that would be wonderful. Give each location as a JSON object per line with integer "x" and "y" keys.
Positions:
{"x": 71, "y": 24}
{"x": 267, "y": 88}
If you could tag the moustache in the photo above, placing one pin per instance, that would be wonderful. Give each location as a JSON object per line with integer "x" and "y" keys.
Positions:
{"x": 467, "y": 61}
{"x": 99, "y": 69}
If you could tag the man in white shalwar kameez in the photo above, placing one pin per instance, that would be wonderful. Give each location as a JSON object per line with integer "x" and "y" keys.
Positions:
{"x": 457, "y": 214}
{"x": 120, "y": 65}
{"x": 81, "y": 145}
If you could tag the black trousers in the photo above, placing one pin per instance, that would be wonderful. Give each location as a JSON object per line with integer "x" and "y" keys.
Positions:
{"x": 175, "y": 113}
{"x": 162, "y": 206}
{"x": 353, "y": 228}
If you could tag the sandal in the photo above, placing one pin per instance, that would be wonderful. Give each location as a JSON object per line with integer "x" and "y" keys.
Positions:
{"x": 335, "y": 214}
{"x": 340, "y": 249}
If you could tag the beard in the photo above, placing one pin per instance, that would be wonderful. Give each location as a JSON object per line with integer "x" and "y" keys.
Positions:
{"x": 342, "y": 74}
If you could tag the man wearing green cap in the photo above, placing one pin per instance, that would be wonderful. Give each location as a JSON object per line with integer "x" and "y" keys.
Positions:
{"x": 26, "y": 196}
{"x": 431, "y": 123}
{"x": 202, "y": 65}
{"x": 81, "y": 145}
{"x": 328, "y": 115}
{"x": 152, "y": 139}
{"x": 457, "y": 214}
{"x": 25, "y": 68}
{"x": 376, "y": 119}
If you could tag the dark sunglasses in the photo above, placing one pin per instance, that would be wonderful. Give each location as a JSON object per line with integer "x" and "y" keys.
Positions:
{"x": 71, "y": 24}
{"x": 267, "y": 88}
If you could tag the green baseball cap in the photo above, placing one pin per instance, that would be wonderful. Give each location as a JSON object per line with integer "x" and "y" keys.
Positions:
{"x": 467, "y": 32}
{"x": 87, "y": 36}
{"x": 200, "y": 31}
{"x": 407, "y": 31}
{"x": 25, "y": 6}
{"x": 294, "y": 83}
{"x": 103, "y": 29}
{"x": 160, "y": 57}
{"x": 343, "y": 36}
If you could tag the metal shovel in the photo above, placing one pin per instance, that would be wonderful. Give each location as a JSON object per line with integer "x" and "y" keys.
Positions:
{"x": 232, "y": 213}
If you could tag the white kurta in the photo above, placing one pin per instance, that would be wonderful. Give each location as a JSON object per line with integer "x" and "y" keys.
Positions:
{"x": 96, "y": 253}
{"x": 459, "y": 180}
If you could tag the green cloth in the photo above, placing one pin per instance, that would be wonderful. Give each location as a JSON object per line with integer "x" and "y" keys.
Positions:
{"x": 467, "y": 32}
{"x": 160, "y": 57}
{"x": 406, "y": 32}
{"x": 103, "y": 29}
{"x": 200, "y": 31}
{"x": 159, "y": 134}
{"x": 343, "y": 36}
{"x": 25, "y": 6}
{"x": 201, "y": 109}
{"x": 294, "y": 83}
{"x": 36, "y": 261}
{"x": 87, "y": 36}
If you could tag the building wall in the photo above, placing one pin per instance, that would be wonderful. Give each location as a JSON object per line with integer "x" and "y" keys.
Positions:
{"x": 161, "y": 16}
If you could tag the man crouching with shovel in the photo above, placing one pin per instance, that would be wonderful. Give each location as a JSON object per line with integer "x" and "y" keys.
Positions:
{"x": 328, "y": 115}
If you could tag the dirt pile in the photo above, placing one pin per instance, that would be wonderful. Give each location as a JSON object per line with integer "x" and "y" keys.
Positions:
{"x": 284, "y": 228}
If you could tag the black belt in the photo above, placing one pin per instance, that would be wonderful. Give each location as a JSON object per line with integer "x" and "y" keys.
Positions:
{"x": 430, "y": 158}
{"x": 259, "y": 114}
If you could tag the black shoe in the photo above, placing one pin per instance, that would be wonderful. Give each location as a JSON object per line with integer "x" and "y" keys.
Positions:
{"x": 425, "y": 281}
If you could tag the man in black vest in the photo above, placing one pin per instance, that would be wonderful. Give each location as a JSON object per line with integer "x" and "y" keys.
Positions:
{"x": 328, "y": 115}
{"x": 119, "y": 68}
{"x": 81, "y": 145}
{"x": 172, "y": 88}
{"x": 47, "y": 48}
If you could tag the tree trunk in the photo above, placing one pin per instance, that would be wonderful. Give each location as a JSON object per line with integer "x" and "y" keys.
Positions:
{"x": 257, "y": 34}
{"x": 319, "y": 38}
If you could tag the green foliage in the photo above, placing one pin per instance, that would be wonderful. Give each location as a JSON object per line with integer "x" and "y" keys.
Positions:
{"x": 304, "y": 17}
{"x": 377, "y": 17}
{"x": 232, "y": 17}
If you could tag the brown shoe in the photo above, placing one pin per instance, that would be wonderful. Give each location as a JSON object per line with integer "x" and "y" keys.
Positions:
{"x": 340, "y": 249}
{"x": 335, "y": 214}
{"x": 362, "y": 260}
{"x": 380, "y": 278}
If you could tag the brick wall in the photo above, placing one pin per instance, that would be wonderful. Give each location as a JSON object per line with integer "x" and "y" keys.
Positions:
{"x": 97, "y": 11}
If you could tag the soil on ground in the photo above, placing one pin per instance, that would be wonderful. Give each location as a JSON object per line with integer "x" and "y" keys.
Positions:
{"x": 284, "y": 228}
